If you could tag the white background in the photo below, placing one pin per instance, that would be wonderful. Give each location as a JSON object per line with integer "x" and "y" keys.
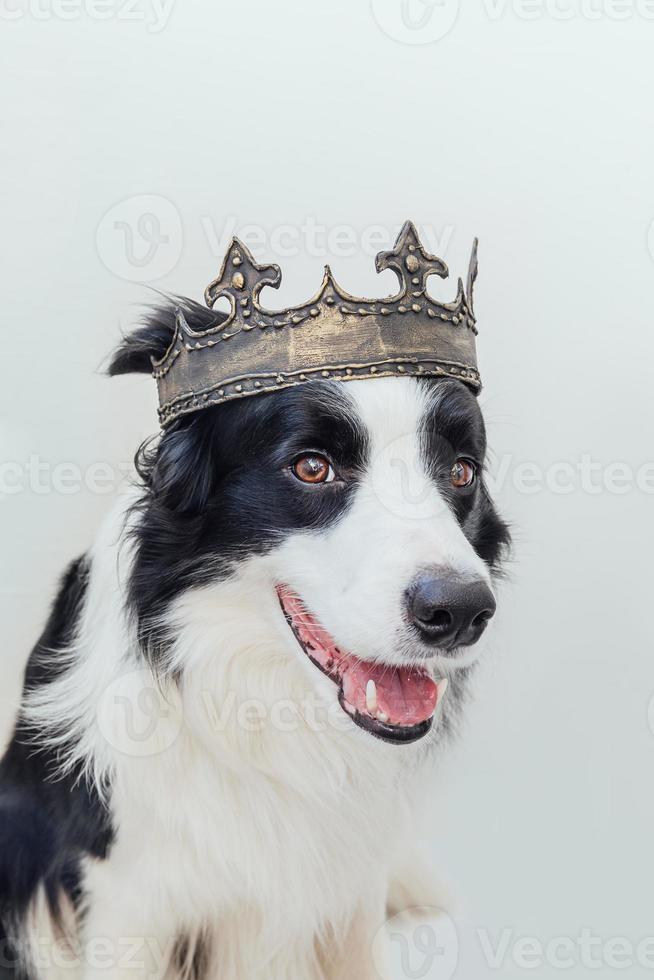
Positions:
{"x": 528, "y": 125}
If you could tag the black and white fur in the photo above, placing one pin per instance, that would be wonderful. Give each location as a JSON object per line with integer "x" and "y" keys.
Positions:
{"x": 235, "y": 841}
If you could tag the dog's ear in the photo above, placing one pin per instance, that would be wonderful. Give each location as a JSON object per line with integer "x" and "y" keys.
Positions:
{"x": 180, "y": 474}
{"x": 155, "y": 334}
{"x": 177, "y": 467}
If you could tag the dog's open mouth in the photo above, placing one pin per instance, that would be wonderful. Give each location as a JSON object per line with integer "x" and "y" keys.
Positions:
{"x": 396, "y": 704}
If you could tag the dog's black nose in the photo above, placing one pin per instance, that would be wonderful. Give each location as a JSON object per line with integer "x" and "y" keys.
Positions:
{"x": 449, "y": 612}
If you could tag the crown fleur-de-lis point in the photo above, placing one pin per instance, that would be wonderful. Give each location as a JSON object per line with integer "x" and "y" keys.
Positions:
{"x": 411, "y": 262}
{"x": 241, "y": 279}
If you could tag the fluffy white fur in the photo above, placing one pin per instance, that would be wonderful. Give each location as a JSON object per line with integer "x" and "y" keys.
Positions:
{"x": 249, "y": 811}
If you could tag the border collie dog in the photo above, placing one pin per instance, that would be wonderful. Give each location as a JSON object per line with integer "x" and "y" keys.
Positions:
{"x": 227, "y": 713}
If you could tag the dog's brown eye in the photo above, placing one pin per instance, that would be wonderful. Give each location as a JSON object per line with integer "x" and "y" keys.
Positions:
{"x": 463, "y": 473}
{"x": 313, "y": 469}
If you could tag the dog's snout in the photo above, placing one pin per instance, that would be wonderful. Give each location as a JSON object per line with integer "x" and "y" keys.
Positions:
{"x": 449, "y": 612}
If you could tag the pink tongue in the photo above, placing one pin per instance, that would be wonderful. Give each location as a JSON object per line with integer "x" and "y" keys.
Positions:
{"x": 406, "y": 695}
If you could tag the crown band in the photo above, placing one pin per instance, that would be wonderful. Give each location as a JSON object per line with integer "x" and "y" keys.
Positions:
{"x": 334, "y": 336}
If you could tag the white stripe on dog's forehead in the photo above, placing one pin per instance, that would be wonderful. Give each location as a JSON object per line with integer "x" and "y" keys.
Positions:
{"x": 390, "y": 409}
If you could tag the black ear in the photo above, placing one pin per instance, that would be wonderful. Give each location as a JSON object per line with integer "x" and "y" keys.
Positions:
{"x": 153, "y": 338}
{"x": 181, "y": 475}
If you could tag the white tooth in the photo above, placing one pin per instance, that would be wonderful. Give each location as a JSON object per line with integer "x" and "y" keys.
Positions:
{"x": 382, "y": 716}
{"x": 441, "y": 689}
{"x": 371, "y": 696}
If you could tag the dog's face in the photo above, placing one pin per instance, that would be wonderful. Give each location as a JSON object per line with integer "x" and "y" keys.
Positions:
{"x": 359, "y": 515}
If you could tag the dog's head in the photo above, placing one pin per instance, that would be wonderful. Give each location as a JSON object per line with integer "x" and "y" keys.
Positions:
{"x": 343, "y": 529}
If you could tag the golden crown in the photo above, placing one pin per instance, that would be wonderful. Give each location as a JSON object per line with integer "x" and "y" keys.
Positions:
{"x": 334, "y": 336}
